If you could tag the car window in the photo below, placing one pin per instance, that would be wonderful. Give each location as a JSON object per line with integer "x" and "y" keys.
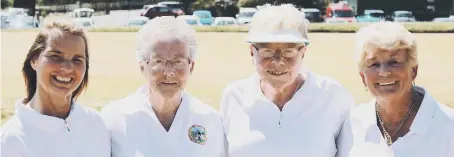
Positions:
{"x": 163, "y": 9}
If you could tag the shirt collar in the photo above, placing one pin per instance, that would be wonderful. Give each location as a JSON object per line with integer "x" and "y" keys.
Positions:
{"x": 254, "y": 96}
{"x": 425, "y": 115}
{"x": 141, "y": 100}
{"x": 45, "y": 122}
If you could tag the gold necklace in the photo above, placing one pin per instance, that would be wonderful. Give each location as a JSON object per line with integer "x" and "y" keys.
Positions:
{"x": 388, "y": 137}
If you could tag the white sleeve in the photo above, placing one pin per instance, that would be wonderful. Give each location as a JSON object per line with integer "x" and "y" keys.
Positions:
{"x": 451, "y": 147}
{"x": 223, "y": 109}
{"x": 344, "y": 140}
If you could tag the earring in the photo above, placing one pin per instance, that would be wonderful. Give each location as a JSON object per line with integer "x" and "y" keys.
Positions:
{"x": 366, "y": 89}
{"x": 413, "y": 83}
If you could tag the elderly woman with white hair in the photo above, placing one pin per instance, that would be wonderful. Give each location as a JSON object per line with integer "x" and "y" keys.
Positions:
{"x": 403, "y": 120}
{"x": 282, "y": 110}
{"x": 161, "y": 118}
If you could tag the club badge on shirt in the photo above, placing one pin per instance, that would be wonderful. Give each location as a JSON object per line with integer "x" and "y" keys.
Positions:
{"x": 197, "y": 134}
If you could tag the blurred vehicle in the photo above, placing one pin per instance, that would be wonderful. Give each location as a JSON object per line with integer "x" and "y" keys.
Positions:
{"x": 145, "y": 8}
{"x": 371, "y": 15}
{"x": 84, "y": 22}
{"x": 190, "y": 19}
{"x": 443, "y": 19}
{"x": 245, "y": 15}
{"x": 159, "y": 10}
{"x": 22, "y": 22}
{"x": 340, "y": 12}
{"x": 137, "y": 21}
{"x": 403, "y": 16}
{"x": 4, "y": 22}
{"x": 82, "y": 16}
{"x": 176, "y": 7}
{"x": 224, "y": 21}
{"x": 312, "y": 14}
{"x": 205, "y": 16}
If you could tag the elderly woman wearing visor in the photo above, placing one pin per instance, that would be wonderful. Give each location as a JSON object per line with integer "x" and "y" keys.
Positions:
{"x": 403, "y": 119}
{"x": 282, "y": 110}
{"x": 161, "y": 118}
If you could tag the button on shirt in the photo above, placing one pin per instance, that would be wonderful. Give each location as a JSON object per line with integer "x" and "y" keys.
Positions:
{"x": 32, "y": 134}
{"x": 307, "y": 126}
{"x": 196, "y": 130}
{"x": 431, "y": 133}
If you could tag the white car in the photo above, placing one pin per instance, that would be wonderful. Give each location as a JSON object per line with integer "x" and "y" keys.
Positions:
{"x": 403, "y": 16}
{"x": 82, "y": 16}
{"x": 138, "y": 21}
{"x": 224, "y": 21}
{"x": 190, "y": 19}
{"x": 443, "y": 19}
{"x": 85, "y": 22}
{"x": 245, "y": 15}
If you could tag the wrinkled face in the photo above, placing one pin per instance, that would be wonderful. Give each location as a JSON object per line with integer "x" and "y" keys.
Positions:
{"x": 168, "y": 67}
{"x": 278, "y": 64}
{"x": 388, "y": 73}
{"x": 61, "y": 67}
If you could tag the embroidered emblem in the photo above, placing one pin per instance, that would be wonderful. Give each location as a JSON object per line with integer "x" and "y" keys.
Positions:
{"x": 197, "y": 134}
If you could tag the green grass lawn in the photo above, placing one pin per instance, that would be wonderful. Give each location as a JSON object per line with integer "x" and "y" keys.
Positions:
{"x": 222, "y": 58}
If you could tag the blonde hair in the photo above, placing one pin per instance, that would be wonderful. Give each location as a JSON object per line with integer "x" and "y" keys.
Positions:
{"x": 165, "y": 28}
{"x": 279, "y": 17}
{"x": 387, "y": 36}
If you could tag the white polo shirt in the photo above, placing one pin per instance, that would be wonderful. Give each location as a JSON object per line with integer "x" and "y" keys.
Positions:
{"x": 31, "y": 134}
{"x": 136, "y": 131}
{"x": 308, "y": 125}
{"x": 431, "y": 133}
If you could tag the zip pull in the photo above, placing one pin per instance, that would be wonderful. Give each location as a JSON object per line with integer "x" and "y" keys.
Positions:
{"x": 66, "y": 126}
{"x": 280, "y": 121}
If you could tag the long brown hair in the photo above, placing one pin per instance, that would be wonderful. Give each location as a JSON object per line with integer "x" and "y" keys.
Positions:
{"x": 51, "y": 30}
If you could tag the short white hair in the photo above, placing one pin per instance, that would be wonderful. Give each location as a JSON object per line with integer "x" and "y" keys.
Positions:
{"x": 388, "y": 36}
{"x": 164, "y": 28}
{"x": 280, "y": 17}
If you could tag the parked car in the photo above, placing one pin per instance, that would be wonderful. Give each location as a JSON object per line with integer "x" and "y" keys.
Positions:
{"x": 4, "y": 22}
{"x": 176, "y": 7}
{"x": 403, "y": 16}
{"x": 224, "y": 21}
{"x": 443, "y": 19}
{"x": 205, "y": 16}
{"x": 340, "y": 12}
{"x": 22, "y": 22}
{"x": 245, "y": 15}
{"x": 312, "y": 14}
{"x": 190, "y": 19}
{"x": 84, "y": 22}
{"x": 144, "y": 9}
{"x": 137, "y": 21}
{"x": 159, "y": 10}
{"x": 371, "y": 15}
{"x": 82, "y": 16}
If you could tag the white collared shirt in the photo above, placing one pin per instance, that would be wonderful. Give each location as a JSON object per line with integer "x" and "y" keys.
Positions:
{"x": 308, "y": 125}
{"x": 136, "y": 131}
{"x": 431, "y": 133}
{"x": 31, "y": 134}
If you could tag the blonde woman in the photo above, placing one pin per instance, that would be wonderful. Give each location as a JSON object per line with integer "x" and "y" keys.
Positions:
{"x": 403, "y": 119}
{"x": 282, "y": 110}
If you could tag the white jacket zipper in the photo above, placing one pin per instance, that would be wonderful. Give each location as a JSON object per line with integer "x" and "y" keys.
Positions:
{"x": 280, "y": 120}
{"x": 66, "y": 126}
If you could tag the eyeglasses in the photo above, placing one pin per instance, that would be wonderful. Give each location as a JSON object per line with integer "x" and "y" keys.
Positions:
{"x": 269, "y": 53}
{"x": 160, "y": 64}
